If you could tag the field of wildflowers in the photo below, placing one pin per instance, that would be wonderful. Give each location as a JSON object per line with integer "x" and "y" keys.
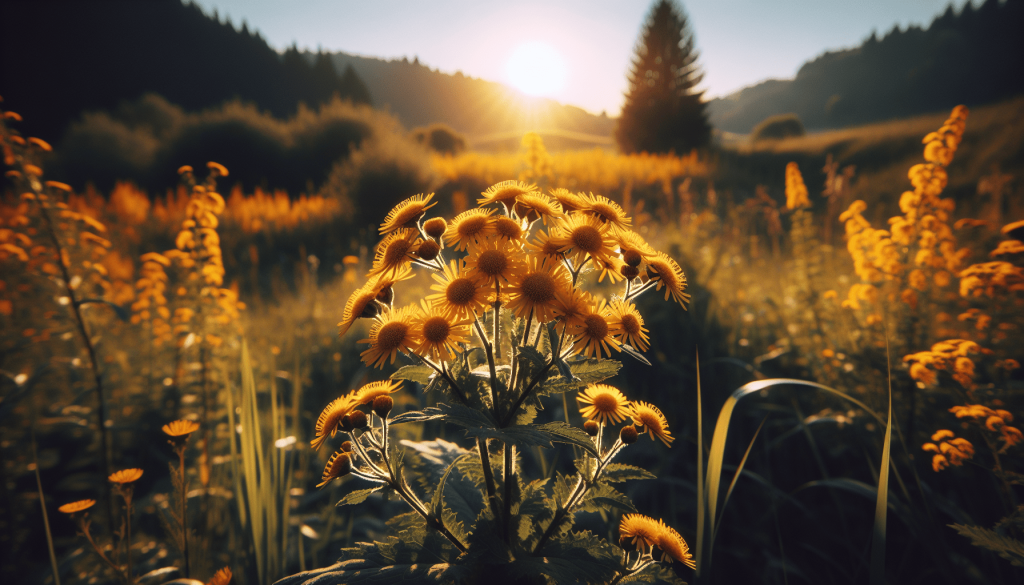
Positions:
{"x": 254, "y": 389}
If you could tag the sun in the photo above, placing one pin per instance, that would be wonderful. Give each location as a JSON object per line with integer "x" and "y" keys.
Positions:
{"x": 537, "y": 68}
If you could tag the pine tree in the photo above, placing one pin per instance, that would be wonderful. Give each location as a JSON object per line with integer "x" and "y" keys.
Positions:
{"x": 664, "y": 111}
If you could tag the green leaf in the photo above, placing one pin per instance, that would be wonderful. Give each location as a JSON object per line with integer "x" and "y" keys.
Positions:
{"x": 584, "y": 372}
{"x": 578, "y": 557}
{"x": 587, "y": 466}
{"x": 602, "y": 496}
{"x": 358, "y": 496}
{"x": 414, "y": 416}
{"x": 421, "y": 374}
{"x": 618, "y": 472}
{"x": 1010, "y": 549}
{"x": 437, "y": 501}
{"x": 563, "y": 433}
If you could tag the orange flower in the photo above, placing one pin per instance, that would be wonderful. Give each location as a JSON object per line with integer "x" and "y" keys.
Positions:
{"x": 75, "y": 507}
{"x": 126, "y": 476}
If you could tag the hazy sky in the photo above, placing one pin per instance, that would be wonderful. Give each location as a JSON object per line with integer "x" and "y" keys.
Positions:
{"x": 741, "y": 42}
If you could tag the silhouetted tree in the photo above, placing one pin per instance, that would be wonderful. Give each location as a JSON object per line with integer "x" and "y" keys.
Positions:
{"x": 663, "y": 110}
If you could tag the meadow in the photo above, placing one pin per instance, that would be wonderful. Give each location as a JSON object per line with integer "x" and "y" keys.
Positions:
{"x": 826, "y": 376}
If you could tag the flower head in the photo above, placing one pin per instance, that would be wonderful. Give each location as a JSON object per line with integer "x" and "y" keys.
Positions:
{"x": 596, "y": 332}
{"x": 440, "y": 332}
{"x": 329, "y": 419}
{"x": 469, "y": 226}
{"x": 221, "y": 577}
{"x": 532, "y": 206}
{"x": 394, "y": 252}
{"x": 458, "y": 293}
{"x": 407, "y": 213}
{"x": 639, "y": 531}
{"x": 361, "y": 303}
{"x": 534, "y": 289}
{"x": 393, "y": 331}
{"x": 606, "y": 210}
{"x": 76, "y": 507}
{"x": 603, "y": 403}
{"x": 338, "y": 465}
{"x": 670, "y": 276}
{"x": 650, "y": 419}
{"x": 493, "y": 260}
{"x": 179, "y": 430}
{"x": 572, "y": 304}
{"x": 567, "y": 200}
{"x": 367, "y": 393}
{"x": 584, "y": 236}
{"x": 630, "y": 325}
{"x": 673, "y": 547}
{"x": 506, "y": 193}
{"x": 125, "y": 476}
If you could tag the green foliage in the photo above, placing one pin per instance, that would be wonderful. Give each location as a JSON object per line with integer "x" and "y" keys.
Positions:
{"x": 778, "y": 127}
{"x": 439, "y": 138}
{"x": 1009, "y": 548}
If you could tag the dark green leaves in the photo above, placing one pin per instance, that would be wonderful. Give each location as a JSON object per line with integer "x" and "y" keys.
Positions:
{"x": 618, "y": 472}
{"x": 1010, "y": 549}
{"x": 585, "y": 372}
{"x": 419, "y": 373}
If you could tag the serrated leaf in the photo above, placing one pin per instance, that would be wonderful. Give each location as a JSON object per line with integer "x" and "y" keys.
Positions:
{"x": 583, "y": 372}
{"x": 463, "y": 416}
{"x": 587, "y": 466}
{"x": 564, "y": 433}
{"x": 563, "y": 489}
{"x": 579, "y": 557}
{"x": 602, "y": 496}
{"x": 437, "y": 500}
{"x": 358, "y": 496}
{"x": 1009, "y": 548}
{"x": 419, "y": 373}
{"x": 619, "y": 472}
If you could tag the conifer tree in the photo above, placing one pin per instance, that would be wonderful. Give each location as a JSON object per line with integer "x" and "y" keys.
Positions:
{"x": 664, "y": 111}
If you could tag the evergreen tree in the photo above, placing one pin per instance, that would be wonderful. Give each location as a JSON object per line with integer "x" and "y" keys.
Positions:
{"x": 663, "y": 109}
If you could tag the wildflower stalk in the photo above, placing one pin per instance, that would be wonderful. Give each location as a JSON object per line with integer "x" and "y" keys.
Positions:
{"x": 555, "y": 355}
{"x": 42, "y": 499}
{"x": 182, "y": 506}
{"x": 490, "y": 357}
{"x": 642, "y": 563}
{"x": 83, "y": 527}
{"x": 492, "y": 491}
{"x": 508, "y": 456}
{"x": 84, "y": 334}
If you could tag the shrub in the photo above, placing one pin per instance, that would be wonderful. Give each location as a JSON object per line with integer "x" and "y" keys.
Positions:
{"x": 440, "y": 138}
{"x": 778, "y": 127}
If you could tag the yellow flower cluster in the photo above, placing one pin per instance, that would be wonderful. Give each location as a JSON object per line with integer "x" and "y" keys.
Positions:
{"x": 995, "y": 421}
{"x": 796, "y": 191}
{"x": 263, "y": 211}
{"x": 950, "y": 450}
{"x": 951, "y": 356}
{"x": 331, "y": 418}
{"x": 922, "y": 230}
{"x": 605, "y": 404}
{"x": 654, "y": 537}
{"x": 536, "y": 278}
{"x": 991, "y": 279}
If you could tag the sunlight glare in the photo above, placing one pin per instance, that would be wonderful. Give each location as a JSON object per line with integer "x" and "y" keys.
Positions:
{"x": 537, "y": 68}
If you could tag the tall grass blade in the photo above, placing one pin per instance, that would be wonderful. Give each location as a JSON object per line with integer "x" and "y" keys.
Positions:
{"x": 739, "y": 470}
{"x": 252, "y": 453}
{"x": 701, "y": 495}
{"x": 42, "y": 502}
{"x": 882, "y": 501}
{"x": 721, "y": 433}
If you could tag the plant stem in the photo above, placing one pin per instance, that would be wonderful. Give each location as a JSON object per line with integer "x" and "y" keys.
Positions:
{"x": 444, "y": 373}
{"x": 127, "y": 495}
{"x": 183, "y": 509}
{"x": 84, "y": 527}
{"x": 490, "y": 360}
{"x": 42, "y": 501}
{"x": 94, "y": 363}
{"x": 485, "y": 462}
{"x": 496, "y": 337}
{"x": 508, "y": 456}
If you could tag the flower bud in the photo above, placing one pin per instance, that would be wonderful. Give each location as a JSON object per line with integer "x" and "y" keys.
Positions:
{"x": 435, "y": 227}
{"x": 628, "y": 435}
{"x": 630, "y": 272}
{"x": 358, "y": 419}
{"x": 591, "y": 427}
{"x": 428, "y": 250}
{"x": 346, "y": 423}
{"x": 382, "y": 405}
{"x": 632, "y": 258}
{"x": 347, "y": 446}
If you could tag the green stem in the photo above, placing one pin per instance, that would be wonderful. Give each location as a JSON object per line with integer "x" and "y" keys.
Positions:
{"x": 183, "y": 509}
{"x": 492, "y": 492}
{"x": 508, "y": 456}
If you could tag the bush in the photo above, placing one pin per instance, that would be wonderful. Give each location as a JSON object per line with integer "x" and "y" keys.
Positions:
{"x": 440, "y": 138}
{"x": 778, "y": 127}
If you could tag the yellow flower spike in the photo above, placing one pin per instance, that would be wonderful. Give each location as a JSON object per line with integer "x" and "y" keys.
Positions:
{"x": 129, "y": 475}
{"x": 603, "y": 403}
{"x": 651, "y": 419}
{"x": 407, "y": 213}
{"x": 796, "y": 191}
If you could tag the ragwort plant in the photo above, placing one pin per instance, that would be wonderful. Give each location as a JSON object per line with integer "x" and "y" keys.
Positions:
{"x": 509, "y": 323}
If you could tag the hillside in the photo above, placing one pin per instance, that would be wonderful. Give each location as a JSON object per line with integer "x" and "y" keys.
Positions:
{"x": 973, "y": 58}
{"x": 418, "y": 95}
{"x": 55, "y": 64}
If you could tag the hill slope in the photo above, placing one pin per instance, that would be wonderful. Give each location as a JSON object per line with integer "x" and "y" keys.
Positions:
{"x": 417, "y": 96}
{"x": 975, "y": 57}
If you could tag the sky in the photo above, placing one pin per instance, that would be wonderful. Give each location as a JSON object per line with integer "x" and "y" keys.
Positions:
{"x": 581, "y": 49}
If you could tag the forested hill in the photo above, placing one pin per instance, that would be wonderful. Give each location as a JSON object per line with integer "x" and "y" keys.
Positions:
{"x": 418, "y": 95}
{"x": 974, "y": 57}
{"x": 58, "y": 59}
